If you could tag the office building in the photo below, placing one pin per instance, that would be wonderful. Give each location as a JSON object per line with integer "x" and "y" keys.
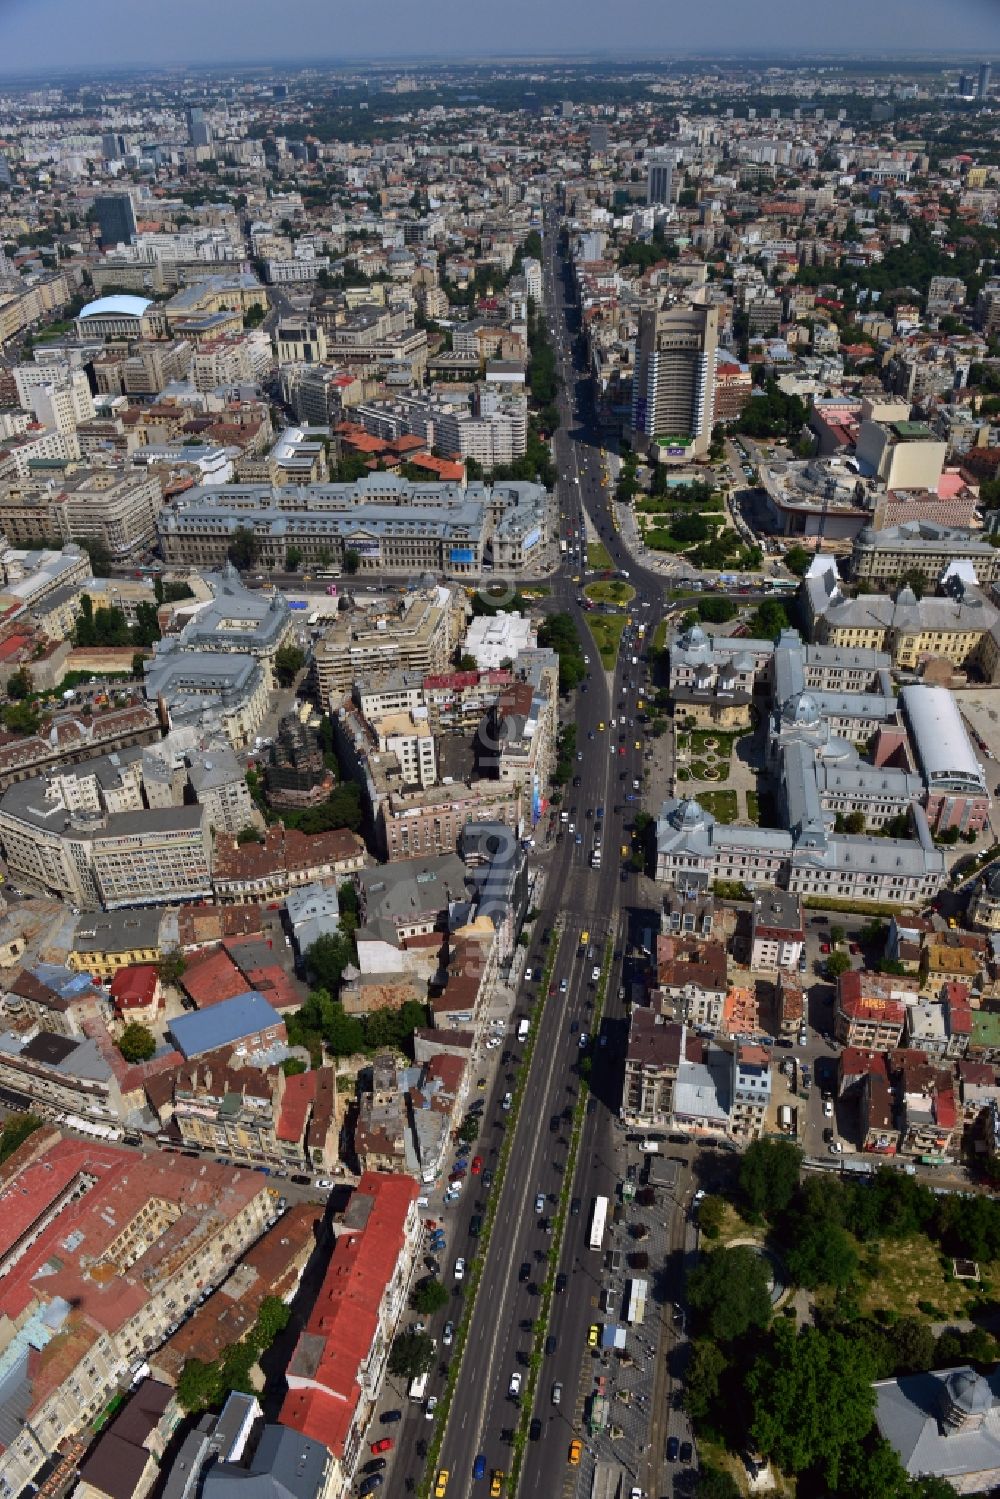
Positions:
{"x": 985, "y": 78}
{"x": 659, "y": 176}
{"x": 115, "y": 219}
{"x": 673, "y": 400}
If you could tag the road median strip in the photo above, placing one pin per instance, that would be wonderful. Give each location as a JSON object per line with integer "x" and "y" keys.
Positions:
{"x": 558, "y": 1234}
{"x": 474, "y": 1269}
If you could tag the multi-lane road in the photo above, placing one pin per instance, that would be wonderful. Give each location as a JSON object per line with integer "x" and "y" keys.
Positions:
{"x": 577, "y": 899}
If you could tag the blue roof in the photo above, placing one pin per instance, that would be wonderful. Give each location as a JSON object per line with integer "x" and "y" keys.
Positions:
{"x": 121, "y": 303}
{"x": 223, "y": 1024}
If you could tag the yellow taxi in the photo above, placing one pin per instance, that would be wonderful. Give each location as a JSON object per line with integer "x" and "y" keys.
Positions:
{"x": 638, "y": 744}
{"x": 575, "y": 1451}
{"x": 600, "y": 727}
{"x": 640, "y": 703}
{"x": 624, "y": 850}
{"x": 441, "y": 1487}
{"x": 593, "y": 1335}
{"x": 496, "y": 1483}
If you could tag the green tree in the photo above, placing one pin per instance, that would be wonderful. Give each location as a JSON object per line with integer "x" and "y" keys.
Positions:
{"x": 837, "y": 963}
{"x": 797, "y": 560}
{"x": 728, "y": 1291}
{"x": 711, "y": 1214}
{"x": 146, "y": 630}
{"x": 293, "y": 558}
{"x": 293, "y": 1066}
{"x": 327, "y": 958}
{"x": 557, "y": 632}
{"x": 19, "y": 684}
{"x": 139, "y": 664}
{"x": 136, "y": 1043}
{"x": 913, "y": 1346}
{"x": 811, "y": 1397}
{"x": 705, "y": 1371}
{"x": 716, "y": 610}
{"x": 352, "y": 560}
{"x": 15, "y": 1131}
{"x": 171, "y": 966}
{"x": 411, "y": 1355}
{"x": 820, "y": 1254}
{"x": 244, "y": 549}
{"x": 101, "y": 560}
{"x": 716, "y": 1483}
{"x": 198, "y": 1386}
{"x": 289, "y": 660}
{"x": 769, "y": 1175}
{"x": 467, "y": 662}
{"x": 428, "y": 1296}
{"x": 837, "y": 933}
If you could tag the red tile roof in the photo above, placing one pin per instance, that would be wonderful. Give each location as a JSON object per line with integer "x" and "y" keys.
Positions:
{"x": 299, "y": 1094}
{"x": 323, "y": 1389}
{"x": 211, "y": 978}
{"x": 135, "y": 987}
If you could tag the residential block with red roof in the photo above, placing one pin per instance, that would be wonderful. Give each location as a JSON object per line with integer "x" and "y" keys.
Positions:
{"x": 336, "y": 1372}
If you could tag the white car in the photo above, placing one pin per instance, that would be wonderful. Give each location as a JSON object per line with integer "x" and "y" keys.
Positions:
{"x": 460, "y": 1268}
{"x": 540, "y": 1202}
{"x": 527, "y": 975}
{"x": 828, "y": 1109}
{"x": 448, "y": 1334}
{"x": 514, "y": 1388}
{"x": 430, "y": 1407}
{"x": 583, "y": 1041}
{"x": 325, "y": 1183}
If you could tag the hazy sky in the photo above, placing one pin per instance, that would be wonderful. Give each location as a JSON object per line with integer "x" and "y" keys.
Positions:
{"x": 40, "y": 33}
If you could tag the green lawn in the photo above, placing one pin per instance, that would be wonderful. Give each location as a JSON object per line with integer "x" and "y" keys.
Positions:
{"x": 753, "y": 807}
{"x": 610, "y": 591}
{"x": 607, "y": 632}
{"x": 598, "y": 556}
{"x": 660, "y": 635}
{"x": 722, "y": 804}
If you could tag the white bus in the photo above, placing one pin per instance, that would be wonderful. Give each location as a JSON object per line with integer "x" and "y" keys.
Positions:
{"x": 418, "y": 1386}
{"x": 637, "y": 1290}
{"x": 598, "y": 1222}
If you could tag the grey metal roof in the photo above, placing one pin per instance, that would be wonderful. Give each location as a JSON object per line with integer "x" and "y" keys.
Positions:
{"x": 223, "y": 1024}
{"x": 908, "y": 1412}
{"x": 943, "y": 746}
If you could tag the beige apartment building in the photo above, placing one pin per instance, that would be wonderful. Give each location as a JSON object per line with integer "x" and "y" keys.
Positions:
{"x": 924, "y": 546}
{"x": 115, "y": 507}
{"x": 418, "y": 632}
{"x": 414, "y": 822}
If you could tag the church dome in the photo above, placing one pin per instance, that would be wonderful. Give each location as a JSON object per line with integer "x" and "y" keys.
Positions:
{"x": 694, "y": 639}
{"x": 965, "y": 1398}
{"x": 801, "y": 709}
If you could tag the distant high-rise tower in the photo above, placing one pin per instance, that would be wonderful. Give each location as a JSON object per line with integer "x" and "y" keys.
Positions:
{"x": 115, "y": 219}
{"x": 112, "y": 146}
{"x": 599, "y": 139}
{"x": 673, "y": 392}
{"x": 659, "y": 176}
{"x": 965, "y": 85}
{"x": 985, "y": 78}
{"x": 199, "y": 130}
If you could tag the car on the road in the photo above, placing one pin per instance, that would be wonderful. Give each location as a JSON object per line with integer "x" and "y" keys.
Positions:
{"x": 388, "y": 1417}
{"x": 370, "y": 1485}
{"x": 448, "y": 1334}
{"x": 583, "y": 1040}
{"x": 477, "y": 1165}
{"x": 803, "y": 1038}
{"x": 673, "y": 1449}
{"x": 441, "y": 1486}
{"x": 687, "y": 1452}
{"x": 540, "y": 1202}
{"x": 430, "y": 1406}
{"x": 496, "y": 1483}
{"x": 563, "y": 985}
{"x": 514, "y": 1387}
{"x": 384, "y": 1444}
{"x": 593, "y": 1335}
{"x": 376, "y": 1465}
{"x": 325, "y": 1183}
{"x": 561, "y": 1282}
{"x": 557, "y": 1393}
{"x": 824, "y": 947}
{"x": 479, "y": 1466}
{"x": 535, "y": 1429}
{"x": 551, "y": 1344}
{"x": 574, "y": 1207}
{"x": 508, "y": 1101}
{"x": 575, "y": 1452}
{"x": 460, "y": 1268}
{"x": 487, "y": 1177}
{"x": 524, "y": 1273}
{"x": 828, "y": 1109}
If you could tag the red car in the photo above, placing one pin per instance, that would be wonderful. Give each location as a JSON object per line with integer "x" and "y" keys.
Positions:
{"x": 384, "y": 1444}
{"x": 477, "y": 1164}
{"x": 552, "y": 990}
{"x": 855, "y": 949}
{"x": 824, "y": 947}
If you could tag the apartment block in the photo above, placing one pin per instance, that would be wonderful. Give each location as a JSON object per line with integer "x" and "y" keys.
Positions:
{"x": 102, "y": 1254}
{"x": 336, "y": 1372}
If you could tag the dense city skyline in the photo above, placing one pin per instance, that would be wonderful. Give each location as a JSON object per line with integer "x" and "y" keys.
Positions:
{"x": 39, "y": 34}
